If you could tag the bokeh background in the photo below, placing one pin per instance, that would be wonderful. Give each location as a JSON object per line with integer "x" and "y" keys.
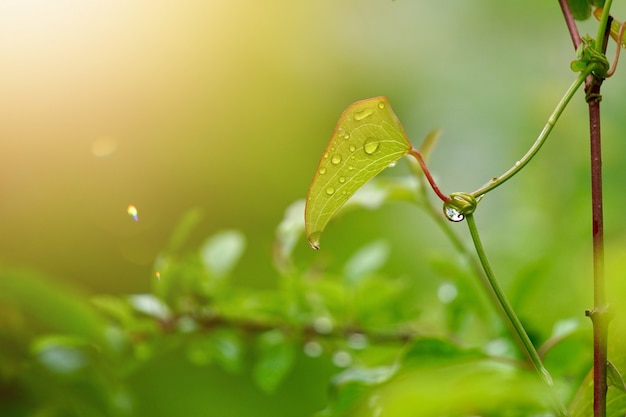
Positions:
{"x": 226, "y": 106}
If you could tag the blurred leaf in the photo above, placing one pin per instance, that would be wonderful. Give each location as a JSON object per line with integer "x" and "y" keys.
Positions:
{"x": 186, "y": 225}
{"x": 458, "y": 388}
{"x": 150, "y": 305}
{"x": 60, "y": 354}
{"x": 378, "y": 191}
{"x": 582, "y": 404}
{"x": 350, "y": 386}
{"x": 581, "y": 9}
{"x": 222, "y": 347}
{"x": 614, "y": 377}
{"x": 368, "y": 137}
{"x": 57, "y": 308}
{"x": 433, "y": 350}
{"x": 221, "y": 252}
{"x": 366, "y": 260}
{"x": 276, "y": 356}
{"x": 288, "y": 232}
{"x": 429, "y": 143}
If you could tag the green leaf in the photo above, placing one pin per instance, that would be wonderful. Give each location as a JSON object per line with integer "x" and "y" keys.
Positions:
{"x": 614, "y": 377}
{"x": 221, "y": 252}
{"x": 581, "y": 9}
{"x": 366, "y": 260}
{"x": 368, "y": 137}
{"x": 277, "y": 354}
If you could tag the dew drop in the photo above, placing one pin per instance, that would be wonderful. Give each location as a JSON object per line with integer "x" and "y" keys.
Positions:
{"x": 330, "y": 190}
{"x": 453, "y": 214}
{"x": 314, "y": 240}
{"x": 346, "y": 136}
{"x": 336, "y": 159}
{"x": 342, "y": 179}
{"x": 352, "y": 148}
{"x": 326, "y": 155}
{"x": 371, "y": 145}
{"x": 132, "y": 212}
{"x": 362, "y": 114}
{"x": 392, "y": 164}
{"x": 381, "y": 105}
{"x": 350, "y": 168}
{"x": 322, "y": 171}
{"x": 341, "y": 131}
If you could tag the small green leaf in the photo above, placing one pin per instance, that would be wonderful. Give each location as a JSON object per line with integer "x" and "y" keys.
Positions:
{"x": 367, "y": 138}
{"x": 221, "y": 252}
{"x": 277, "y": 354}
{"x": 614, "y": 377}
{"x": 366, "y": 260}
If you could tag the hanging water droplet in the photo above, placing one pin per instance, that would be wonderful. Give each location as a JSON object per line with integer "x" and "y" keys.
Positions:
{"x": 322, "y": 171}
{"x": 330, "y": 190}
{"x": 392, "y": 164}
{"x": 453, "y": 214}
{"x": 362, "y": 114}
{"x": 371, "y": 145}
{"x": 314, "y": 240}
{"x": 342, "y": 179}
{"x": 352, "y": 148}
{"x": 336, "y": 159}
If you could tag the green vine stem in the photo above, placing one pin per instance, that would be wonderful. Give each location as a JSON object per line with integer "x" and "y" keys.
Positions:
{"x": 511, "y": 316}
{"x": 497, "y": 181}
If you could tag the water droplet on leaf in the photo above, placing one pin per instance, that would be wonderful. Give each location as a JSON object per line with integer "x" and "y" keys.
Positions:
{"x": 381, "y": 105}
{"x": 393, "y": 164}
{"x": 371, "y": 145}
{"x": 322, "y": 171}
{"x": 342, "y": 179}
{"x": 336, "y": 159}
{"x": 314, "y": 240}
{"x": 453, "y": 214}
{"x": 362, "y": 114}
{"x": 330, "y": 190}
{"x": 326, "y": 155}
{"x": 352, "y": 148}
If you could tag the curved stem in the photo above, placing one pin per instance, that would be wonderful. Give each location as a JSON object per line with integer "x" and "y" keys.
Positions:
{"x": 510, "y": 315}
{"x": 495, "y": 182}
{"x": 418, "y": 156}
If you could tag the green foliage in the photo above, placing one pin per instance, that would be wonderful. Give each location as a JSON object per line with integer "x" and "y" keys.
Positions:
{"x": 368, "y": 137}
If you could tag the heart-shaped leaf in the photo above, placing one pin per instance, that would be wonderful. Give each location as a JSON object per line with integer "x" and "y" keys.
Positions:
{"x": 367, "y": 139}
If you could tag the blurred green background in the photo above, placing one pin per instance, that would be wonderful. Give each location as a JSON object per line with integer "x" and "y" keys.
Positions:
{"x": 227, "y": 106}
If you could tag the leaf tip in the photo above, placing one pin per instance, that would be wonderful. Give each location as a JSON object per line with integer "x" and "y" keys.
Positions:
{"x": 314, "y": 240}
